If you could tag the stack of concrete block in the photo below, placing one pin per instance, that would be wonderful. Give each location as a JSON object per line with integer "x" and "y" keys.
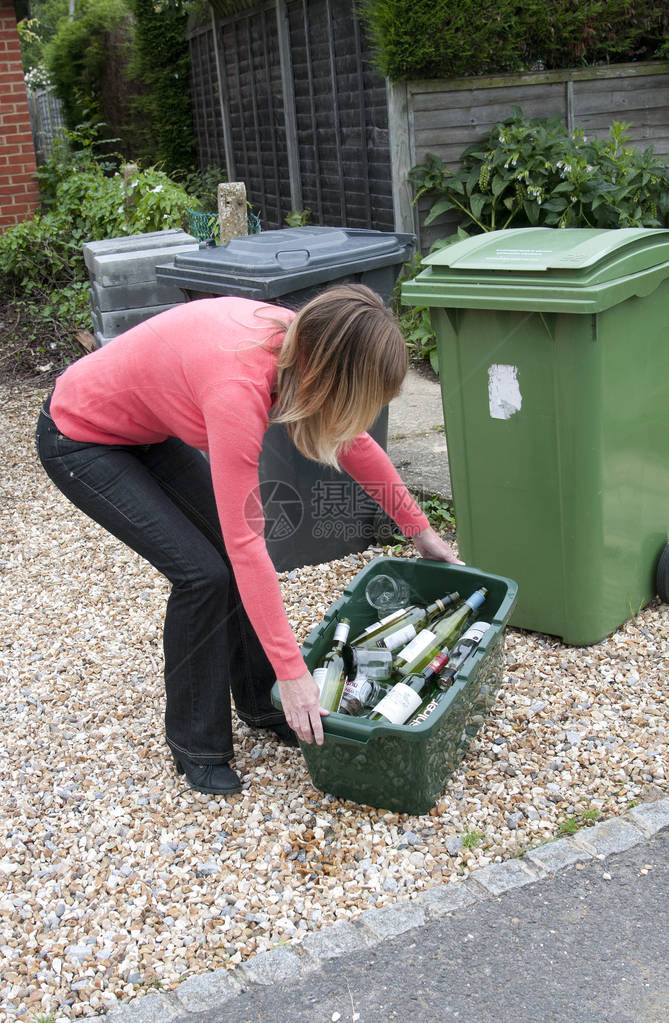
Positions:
{"x": 124, "y": 290}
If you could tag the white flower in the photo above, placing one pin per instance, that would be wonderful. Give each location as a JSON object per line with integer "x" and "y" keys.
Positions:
{"x": 158, "y": 188}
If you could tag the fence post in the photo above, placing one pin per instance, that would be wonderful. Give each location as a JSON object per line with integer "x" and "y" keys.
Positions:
{"x": 401, "y": 157}
{"x": 223, "y": 101}
{"x": 290, "y": 119}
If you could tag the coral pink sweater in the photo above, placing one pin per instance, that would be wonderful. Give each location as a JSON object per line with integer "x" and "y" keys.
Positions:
{"x": 205, "y": 372}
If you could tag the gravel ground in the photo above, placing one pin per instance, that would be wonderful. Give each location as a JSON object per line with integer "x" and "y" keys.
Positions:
{"x": 114, "y": 878}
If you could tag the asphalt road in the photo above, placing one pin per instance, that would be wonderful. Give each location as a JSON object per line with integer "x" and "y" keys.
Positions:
{"x": 584, "y": 946}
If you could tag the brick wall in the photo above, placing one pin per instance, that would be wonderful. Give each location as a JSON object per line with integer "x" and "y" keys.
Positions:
{"x": 19, "y": 194}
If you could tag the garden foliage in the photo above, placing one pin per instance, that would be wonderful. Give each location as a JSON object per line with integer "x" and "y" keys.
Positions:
{"x": 443, "y": 39}
{"x": 161, "y": 62}
{"x": 124, "y": 64}
{"x": 531, "y": 172}
{"x": 88, "y": 62}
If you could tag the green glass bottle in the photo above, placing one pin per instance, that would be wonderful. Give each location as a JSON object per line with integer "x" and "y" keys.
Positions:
{"x": 333, "y": 672}
{"x": 405, "y": 697}
{"x": 465, "y": 646}
{"x": 444, "y": 633}
{"x": 390, "y": 631}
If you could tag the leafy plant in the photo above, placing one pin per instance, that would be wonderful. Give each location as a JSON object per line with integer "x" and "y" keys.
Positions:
{"x": 439, "y": 512}
{"x": 533, "y": 171}
{"x": 582, "y": 819}
{"x": 202, "y": 184}
{"x": 415, "y": 322}
{"x": 297, "y": 218}
{"x": 161, "y": 110}
{"x": 472, "y": 839}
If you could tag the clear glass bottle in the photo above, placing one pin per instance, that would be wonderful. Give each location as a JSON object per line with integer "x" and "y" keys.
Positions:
{"x": 359, "y": 694}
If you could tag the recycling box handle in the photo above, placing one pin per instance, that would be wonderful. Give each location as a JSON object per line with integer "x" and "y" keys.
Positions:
{"x": 288, "y": 258}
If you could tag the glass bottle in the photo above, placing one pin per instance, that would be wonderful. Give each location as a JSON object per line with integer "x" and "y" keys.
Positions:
{"x": 389, "y": 632}
{"x": 336, "y": 668}
{"x": 463, "y": 649}
{"x": 444, "y": 633}
{"x": 405, "y": 697}
{"x": 359, "y": 693}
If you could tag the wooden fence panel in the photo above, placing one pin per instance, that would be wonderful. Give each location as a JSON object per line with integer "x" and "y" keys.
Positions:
{"x": 304, "y": 119}
{"x": 446, "y": 117}
{"x": 642, "y": 102}
{"x": 207, "y": 120}
{"x": 250, "y": 66}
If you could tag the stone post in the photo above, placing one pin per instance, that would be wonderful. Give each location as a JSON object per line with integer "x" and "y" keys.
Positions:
{"x": 232, "y": 210}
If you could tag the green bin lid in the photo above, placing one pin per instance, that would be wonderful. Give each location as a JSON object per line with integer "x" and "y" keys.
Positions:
{"x": 543, "y": 268}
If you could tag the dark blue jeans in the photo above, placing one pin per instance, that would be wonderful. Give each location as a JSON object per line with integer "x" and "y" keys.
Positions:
{"x": 159, "y": 500}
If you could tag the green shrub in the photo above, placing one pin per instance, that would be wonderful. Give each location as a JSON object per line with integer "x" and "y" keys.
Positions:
{"x": 443, "y": 39}
{"x": 88, "y": 60}
{"x": 161, "y": 61}
{"x": 534, "y": 172}
{"x": 125, "y": 64}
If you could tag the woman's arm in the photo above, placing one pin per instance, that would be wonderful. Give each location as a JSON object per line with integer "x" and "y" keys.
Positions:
{"x": 370, "y": 466}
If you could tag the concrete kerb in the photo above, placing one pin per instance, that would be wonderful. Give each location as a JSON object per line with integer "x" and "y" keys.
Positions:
{"x": 285, "y": 964}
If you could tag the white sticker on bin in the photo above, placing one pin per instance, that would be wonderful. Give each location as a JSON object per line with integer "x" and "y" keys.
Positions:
{"x": 504, "y": 397}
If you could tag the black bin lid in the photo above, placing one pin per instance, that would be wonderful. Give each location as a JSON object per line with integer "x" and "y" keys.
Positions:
{"x": 274, "y": 263}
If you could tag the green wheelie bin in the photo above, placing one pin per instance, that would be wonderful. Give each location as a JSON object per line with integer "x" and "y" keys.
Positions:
{"x": 553, "y": 350}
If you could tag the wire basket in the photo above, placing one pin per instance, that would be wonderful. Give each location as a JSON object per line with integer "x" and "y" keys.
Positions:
{"x": 204, "y": 226}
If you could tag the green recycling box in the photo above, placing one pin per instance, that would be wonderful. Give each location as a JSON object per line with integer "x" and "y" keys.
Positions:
{"x": 400, "y": 767}
{"x": 553, "y": 351}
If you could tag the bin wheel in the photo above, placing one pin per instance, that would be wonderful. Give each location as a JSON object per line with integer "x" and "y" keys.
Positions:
{"x": 662, "y": 577}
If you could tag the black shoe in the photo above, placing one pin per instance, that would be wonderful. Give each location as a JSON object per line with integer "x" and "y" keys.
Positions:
{"x": 285, "y": 733}
{"x": 213, "y": 779}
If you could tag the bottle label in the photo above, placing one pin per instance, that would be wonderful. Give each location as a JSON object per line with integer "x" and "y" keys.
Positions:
{"x": 417, "y": 646}
{"x": 358, "y": 688}
{"x": 438, "y": 662}
{"x": 383, "y": 621}
{"x": 469, "y": 641}
{"x": 341, "y": 633}
{"x": 397, "y": 639}
{"x": 400, "y": 703}
{"x": 427, "y": 710}
{"x": 318, "y": 676}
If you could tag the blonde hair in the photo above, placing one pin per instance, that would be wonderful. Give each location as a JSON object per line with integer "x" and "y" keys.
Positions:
{"x": 342, "y": 359}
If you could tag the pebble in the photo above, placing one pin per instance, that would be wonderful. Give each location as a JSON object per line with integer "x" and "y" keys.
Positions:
{"x": 114, "y": 874}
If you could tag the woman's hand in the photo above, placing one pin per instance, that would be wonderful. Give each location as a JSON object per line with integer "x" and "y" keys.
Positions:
{"x": 430, "y": 545}
{"x": 299, "y": 699}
